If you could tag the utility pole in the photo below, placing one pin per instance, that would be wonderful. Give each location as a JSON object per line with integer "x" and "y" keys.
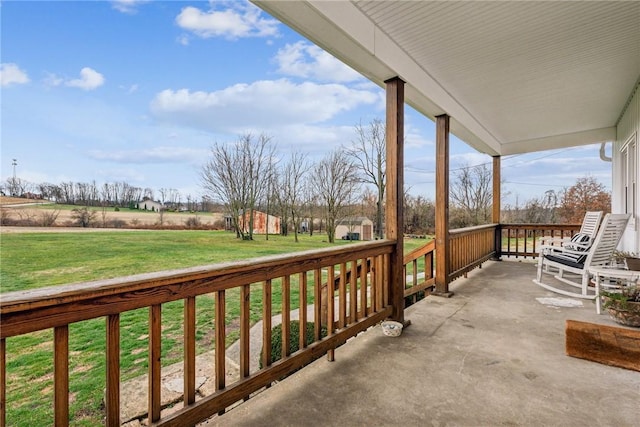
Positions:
{"x": 14, "y": 163}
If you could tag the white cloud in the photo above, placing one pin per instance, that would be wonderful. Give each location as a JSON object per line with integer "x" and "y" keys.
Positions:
{"x": 266, "y": 104}
{"x": 127, "y": 6}
{"x": 238, "y": 20}
{"x": 10, "y": 74}
{"x": 89, "y": 79}
{"x": 302, "y": 59}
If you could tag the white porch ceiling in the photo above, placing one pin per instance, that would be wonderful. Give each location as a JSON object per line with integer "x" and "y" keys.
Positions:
{"x": 515, "y": 76}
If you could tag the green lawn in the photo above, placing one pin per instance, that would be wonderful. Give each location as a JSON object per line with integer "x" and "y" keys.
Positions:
{"x": 34, "y": 260}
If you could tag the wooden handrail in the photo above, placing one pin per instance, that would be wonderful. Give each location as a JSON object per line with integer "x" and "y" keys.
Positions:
{"x": 521, "y": 240}
{"x": 470, "y": 247}
{"x": 361, "y": 302}
{"x": 423, "y": 255}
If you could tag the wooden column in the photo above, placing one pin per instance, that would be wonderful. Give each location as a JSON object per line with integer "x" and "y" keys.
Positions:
{"x": 442, "y": 207}
{"x": 496, "y": 208}
{"x": 394, "y": 192}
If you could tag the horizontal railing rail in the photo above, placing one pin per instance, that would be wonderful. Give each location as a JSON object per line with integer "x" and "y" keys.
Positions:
{"x": 522, "y": 240}
{"x": 361, "y": 301}
{"x": 470, "y": 247}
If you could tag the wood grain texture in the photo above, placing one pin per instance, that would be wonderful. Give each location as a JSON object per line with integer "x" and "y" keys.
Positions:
{"x": 609, "y": 345}
{"x": 61, "y": 375}
{"x": 394, "y": 193}
{"x": 189, "y": 350}
{"x": 442, "y": 204}
{"x": 155, "y": 366}
{"x": 112, "y": 395}
{"x": 3, "y": 383}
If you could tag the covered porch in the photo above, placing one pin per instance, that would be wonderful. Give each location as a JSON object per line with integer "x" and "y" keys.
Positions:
{"x": 492, "y": 355}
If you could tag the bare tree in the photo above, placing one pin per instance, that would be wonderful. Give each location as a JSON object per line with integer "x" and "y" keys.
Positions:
{"x": 84, "y": 216}
{"x": 419, "y": 215}
{"x": 292, "y": 186}
{"x": 472, "y": 195}
{"x": 336, "y": 183}
{"x": 236, "y": 175}
{"x": 369, "y": 153}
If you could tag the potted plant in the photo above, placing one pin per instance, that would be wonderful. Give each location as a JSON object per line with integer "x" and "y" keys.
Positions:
{"x": 631, "y": 259}
{"x": 624, "y": 305}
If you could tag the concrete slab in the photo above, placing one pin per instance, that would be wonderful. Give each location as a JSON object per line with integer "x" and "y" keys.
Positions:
{"x": 491, "y": 355}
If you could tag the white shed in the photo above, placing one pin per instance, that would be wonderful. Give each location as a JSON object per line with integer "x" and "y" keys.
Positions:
{"x": 354, "y": 228}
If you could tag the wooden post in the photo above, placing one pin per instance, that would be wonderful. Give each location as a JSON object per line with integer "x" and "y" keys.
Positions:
{"x": 395, "y": 192}
{"x": 495, "y": 213}
{"x": 442, "y": 207}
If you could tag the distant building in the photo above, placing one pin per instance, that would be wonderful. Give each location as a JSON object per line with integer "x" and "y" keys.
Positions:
{"x": 354, "y": 228}
{"x": 149, "y": 205}
{"x": 260, "y": 220}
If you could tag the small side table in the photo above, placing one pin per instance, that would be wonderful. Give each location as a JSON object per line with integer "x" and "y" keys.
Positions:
{"x": 629, "y": 277}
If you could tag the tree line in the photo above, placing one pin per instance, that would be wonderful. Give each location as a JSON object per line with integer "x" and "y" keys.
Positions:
{"x": 247, "y": 175}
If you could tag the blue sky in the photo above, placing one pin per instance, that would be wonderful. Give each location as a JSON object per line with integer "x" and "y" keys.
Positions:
{"x": 139, "y": 91}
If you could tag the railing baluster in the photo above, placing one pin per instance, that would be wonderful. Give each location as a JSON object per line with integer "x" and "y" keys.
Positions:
{"x": 317, "y": 304}
{"x": 286, "y": 316}
{"x": 245, "y": 325}
{"x": 189, "y": 351}
{"x": 374, "y": 284}
{"x": 379, "y": 280}
{"x": 353, "y": 292}
{"x": 220, "y": 337}
{"x": 266, "y": 323}
{"x": 386, "y": 262}
{"x": 342, "y": 296}
{"x": 3, "y": 382}
{"x": 112, "y": 404}
{"x": 302, "y": 310}
{"x": 330, "y": 307}
{"x": 363, "y": 286}
{"x": 61, "y": 375}
{"x": 155, "y": 367}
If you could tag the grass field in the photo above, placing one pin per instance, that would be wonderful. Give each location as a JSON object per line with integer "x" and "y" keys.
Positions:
{"x": 33, "y": 260}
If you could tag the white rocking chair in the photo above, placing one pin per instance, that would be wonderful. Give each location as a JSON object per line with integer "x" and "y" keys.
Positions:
{"x": 582, "y": 239}
{"x": 577, "y": 263}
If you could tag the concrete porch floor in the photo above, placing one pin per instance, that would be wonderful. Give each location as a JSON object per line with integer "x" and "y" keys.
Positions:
{"x": 491, "y": 355}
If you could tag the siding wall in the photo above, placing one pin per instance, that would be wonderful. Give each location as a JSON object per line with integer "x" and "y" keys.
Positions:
{"x": 628, "y": 129}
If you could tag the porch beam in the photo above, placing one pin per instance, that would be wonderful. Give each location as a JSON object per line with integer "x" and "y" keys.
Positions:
{"x": 442, "y": 207}
{"x": 496, "y": 208}
{"x": 394, "y": 215}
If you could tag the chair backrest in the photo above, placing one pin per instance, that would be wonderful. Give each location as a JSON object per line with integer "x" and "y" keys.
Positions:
{"x": 591, "y": 223}
{"x": 607, "y": 239}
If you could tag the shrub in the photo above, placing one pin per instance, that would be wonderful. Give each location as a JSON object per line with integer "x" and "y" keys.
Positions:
{"x": 48, "y": 218}
{"x": 294, "y": 329}
{"x": 193, "y": 222}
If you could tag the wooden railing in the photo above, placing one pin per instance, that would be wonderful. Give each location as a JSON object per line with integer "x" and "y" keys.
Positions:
{"x": 521, "y": 240}
{"x": 470, "y": 247}
{"x": 361, "y": 302}
{"x": 418, "y": 271}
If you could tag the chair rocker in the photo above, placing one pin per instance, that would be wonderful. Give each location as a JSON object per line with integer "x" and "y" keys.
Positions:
{"x": 576, "y": 263}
